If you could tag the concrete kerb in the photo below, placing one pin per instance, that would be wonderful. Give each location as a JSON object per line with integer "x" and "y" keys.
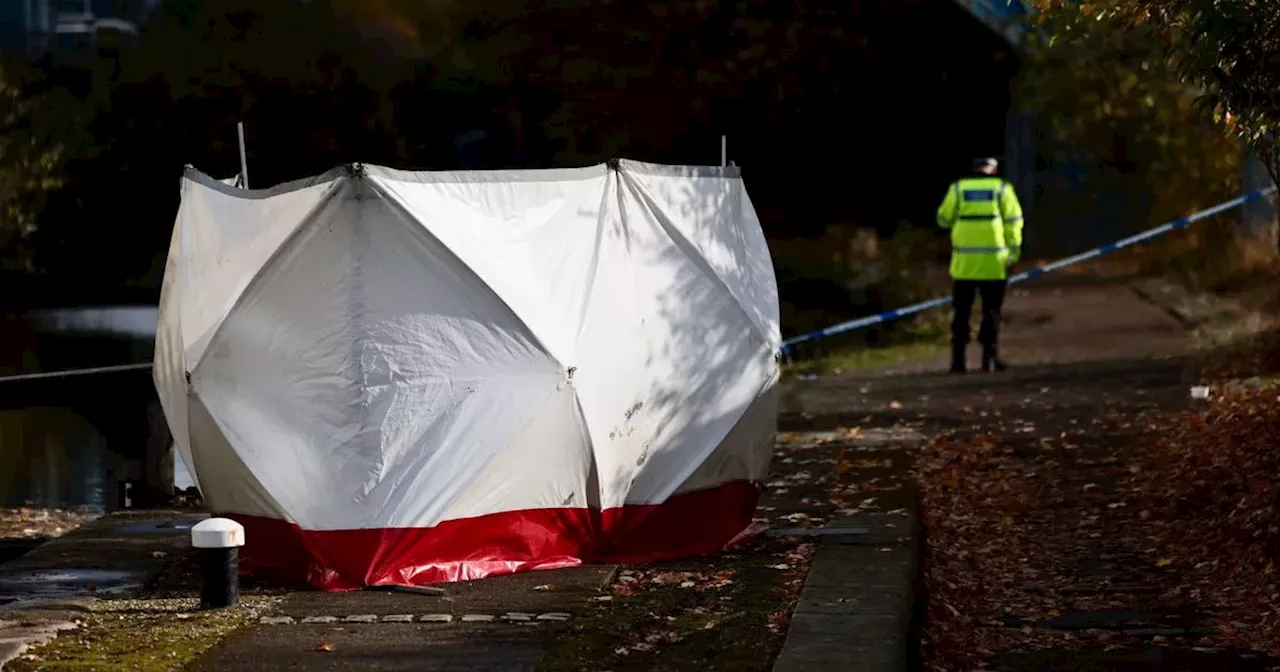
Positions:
{"x": 860, "y": 605}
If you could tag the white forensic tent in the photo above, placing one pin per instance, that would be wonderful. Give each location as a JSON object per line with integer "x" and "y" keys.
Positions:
{"x": 396, "y": 377}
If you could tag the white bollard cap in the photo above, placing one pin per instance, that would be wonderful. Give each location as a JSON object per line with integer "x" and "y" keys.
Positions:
{"x": 217, "y": 533}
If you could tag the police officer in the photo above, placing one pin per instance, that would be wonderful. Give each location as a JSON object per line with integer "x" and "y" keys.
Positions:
{"x": 985, "y": 219}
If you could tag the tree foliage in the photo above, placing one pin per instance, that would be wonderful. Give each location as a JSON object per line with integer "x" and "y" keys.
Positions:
{"x": 597, "y": 59}
{"x": 34, "y": 128}
{"x": 1229, "y": 50}
{"x": 1105, "y": 86}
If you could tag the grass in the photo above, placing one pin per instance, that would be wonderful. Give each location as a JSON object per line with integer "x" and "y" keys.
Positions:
{"x": 140, "y": 635}
{"x": 855, "y": 359}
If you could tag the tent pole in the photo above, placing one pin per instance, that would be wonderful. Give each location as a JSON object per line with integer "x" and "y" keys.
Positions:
{"x": 244, "y": 162}
{"x": 724, "y": 151}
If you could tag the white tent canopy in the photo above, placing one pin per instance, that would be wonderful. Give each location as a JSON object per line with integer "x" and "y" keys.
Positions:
{"x": 408, "y": 377}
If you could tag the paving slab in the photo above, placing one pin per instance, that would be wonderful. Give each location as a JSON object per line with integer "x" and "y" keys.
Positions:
{"x": 840, "y": 568}
{"x": 382, "y": 646}
{"x": 500, "y": 623}
{"x": 858, "y": 600}
{"x": 881, "y": 530}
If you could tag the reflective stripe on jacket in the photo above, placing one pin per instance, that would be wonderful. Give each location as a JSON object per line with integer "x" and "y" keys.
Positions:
{"x": 985, "y": 220}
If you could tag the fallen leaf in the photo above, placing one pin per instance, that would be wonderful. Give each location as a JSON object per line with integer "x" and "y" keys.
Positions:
{"x": 666, "y": 637}
{"x": 323, "y": 646}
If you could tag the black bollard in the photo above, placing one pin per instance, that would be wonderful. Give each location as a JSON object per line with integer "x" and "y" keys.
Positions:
{"x": 220, "y": 540}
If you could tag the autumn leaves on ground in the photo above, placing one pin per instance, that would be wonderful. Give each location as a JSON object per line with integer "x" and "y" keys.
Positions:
{"x": 1144, "y": 519}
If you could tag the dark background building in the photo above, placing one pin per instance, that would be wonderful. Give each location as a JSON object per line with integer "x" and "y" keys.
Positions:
{"x": 75, "y": 29}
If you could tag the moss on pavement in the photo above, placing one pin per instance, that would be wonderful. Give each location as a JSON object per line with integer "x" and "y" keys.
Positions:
{"x": 140, "y": 635}
{"x": 857, "y": 359}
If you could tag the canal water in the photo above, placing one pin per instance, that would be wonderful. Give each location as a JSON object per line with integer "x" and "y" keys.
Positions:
{"x": 53, "y": 456}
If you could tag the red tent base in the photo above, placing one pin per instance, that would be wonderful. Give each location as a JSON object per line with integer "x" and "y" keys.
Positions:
{"x": 693, "y": 523}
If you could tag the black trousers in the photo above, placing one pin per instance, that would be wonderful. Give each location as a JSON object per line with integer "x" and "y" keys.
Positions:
{"x": 992, "y": 294}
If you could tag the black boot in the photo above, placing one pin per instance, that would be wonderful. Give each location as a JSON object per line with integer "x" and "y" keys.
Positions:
{"x": 957, "y": 359}
{"x": 991, "y": 362}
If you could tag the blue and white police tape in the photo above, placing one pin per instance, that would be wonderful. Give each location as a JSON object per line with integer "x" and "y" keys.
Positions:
{"x": 890, "y": 315}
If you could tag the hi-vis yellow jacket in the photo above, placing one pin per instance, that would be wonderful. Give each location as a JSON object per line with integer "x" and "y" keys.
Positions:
{"x": 985, "y": 220}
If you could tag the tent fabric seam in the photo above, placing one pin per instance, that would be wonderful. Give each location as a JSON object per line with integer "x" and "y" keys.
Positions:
{"x": 181, "y": 352}
{"x": 205, "y": 180}
{"x": 306, "y": 220}
{"x": 668, "y": 170}
{"x": 682, "y": 241}
{"x": 194, "y": 395}
{"x": 485, "y": 176}
{"x": 501, "y": 452}
{"x": 597, "y": 251}
{"x": 764, "y": 348}
{"x": 556, "y": 507}
{"x": 457, "y": 176}
{"x": 770, "y": 381}
{"x": 402, "y": 211}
